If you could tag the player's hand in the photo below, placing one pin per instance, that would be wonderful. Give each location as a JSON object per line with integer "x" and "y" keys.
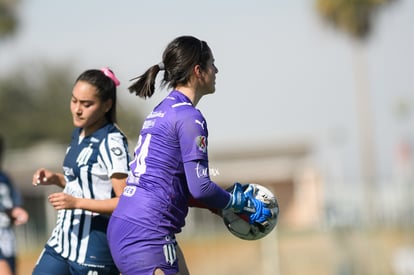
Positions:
{"x": 19, "y": 216}
{"x": 45, "y": 177}
{"x": 257, "y": 210}
{"x": 238, "y": 198}
{"x": 62, "y": 201}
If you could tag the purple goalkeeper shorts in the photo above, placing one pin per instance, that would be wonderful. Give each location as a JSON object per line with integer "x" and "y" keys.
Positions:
{"x": 134, "y": 254}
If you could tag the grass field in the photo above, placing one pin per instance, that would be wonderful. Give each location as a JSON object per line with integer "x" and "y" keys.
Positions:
{"x": 285, "y": 253}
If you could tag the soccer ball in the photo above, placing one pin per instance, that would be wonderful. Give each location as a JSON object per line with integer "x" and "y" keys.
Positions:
{"x": 238, "y": 224}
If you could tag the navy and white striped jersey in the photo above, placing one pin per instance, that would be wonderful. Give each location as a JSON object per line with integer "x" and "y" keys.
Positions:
{"x": 9, "y": 198}
{"x": 80, "y": 235}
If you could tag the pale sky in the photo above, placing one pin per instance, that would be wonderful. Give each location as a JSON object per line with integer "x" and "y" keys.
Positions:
{"x": 283, "y": 74}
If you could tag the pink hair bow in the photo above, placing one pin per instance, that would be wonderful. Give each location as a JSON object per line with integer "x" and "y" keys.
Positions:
{"x": 111, "y": 75}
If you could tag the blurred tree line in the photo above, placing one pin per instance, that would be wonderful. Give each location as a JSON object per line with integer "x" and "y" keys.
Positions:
{"x": 34, "y": 106}
{"x": 8, "y": 17}
{"x": 35, "y": 98}
{"x": 355, "y": 17}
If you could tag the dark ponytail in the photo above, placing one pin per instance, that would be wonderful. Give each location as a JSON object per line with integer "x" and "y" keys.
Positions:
{"x": 145, "y": 85}
{"x": 178, "y": 60}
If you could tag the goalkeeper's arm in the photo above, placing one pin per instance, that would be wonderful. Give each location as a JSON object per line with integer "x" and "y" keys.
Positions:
{"x": 192, "y": 202}
{"x": 207, "y": 192}
{"x": 202, "y": 188}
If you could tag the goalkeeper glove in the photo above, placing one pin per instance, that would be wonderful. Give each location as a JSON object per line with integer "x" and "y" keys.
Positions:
{"x": 257, "y": 210}
{"x": 238, "y": 199}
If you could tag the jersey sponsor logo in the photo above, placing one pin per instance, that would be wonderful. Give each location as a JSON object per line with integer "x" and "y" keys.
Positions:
{"x": 200, "y": 123}
{"x": 201, "y": 142}
{"x": 214, "y": 172}
{"x": 201, "y": 171}
{"x": 72, "y": 188}
{"x": 148, "y": 124}
{"x": 99, "y": 266}
{"x": 156, "y": 114}
{"x": 117, "y": 151}
{"x": 116, "y": 138}
{"x": 129, "y": 191}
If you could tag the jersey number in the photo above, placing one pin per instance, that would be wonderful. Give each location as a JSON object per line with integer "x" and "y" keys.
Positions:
{"x": 142, "y": 149}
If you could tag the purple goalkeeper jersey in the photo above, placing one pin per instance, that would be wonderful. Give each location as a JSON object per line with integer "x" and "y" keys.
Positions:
{"x": 156, "y": 196}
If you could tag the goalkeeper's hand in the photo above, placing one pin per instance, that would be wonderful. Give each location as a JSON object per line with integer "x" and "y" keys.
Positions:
{"x": 256, "y": 209}
{"x": 244, "y": 202}
{"x": 238, "y": 199}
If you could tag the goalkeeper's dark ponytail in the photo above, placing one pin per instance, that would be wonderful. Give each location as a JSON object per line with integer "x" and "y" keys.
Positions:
{"x": 179, "y": 58}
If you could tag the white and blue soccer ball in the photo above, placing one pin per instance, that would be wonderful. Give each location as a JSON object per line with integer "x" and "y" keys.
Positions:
{"x": 238, "y": 224}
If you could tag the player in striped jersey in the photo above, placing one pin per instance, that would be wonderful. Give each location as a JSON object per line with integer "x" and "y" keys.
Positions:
{"x": 94, "y": 172}
{"x": 170, "y": 166}
{"x": 11, "y": 213}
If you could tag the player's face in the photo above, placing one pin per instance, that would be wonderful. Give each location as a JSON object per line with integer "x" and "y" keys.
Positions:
{"x": 88, "y": 111}
{"x": 208, "y": 81}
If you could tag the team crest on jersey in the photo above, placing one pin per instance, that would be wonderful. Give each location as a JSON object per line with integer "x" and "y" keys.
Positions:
{"x": 68, "y": 171}
{"x": 117, "y": 151}
{"x": 84, "y": 155}
{"x": 201, "y": 142}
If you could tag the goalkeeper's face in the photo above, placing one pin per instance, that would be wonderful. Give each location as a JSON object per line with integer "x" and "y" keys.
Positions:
{"x": 88, "y": 110}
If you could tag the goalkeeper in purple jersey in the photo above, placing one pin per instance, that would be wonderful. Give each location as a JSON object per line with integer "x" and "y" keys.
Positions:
{"x": 170, "y": 165}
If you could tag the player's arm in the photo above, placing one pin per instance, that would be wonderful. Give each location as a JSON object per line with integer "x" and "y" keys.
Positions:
{"x": 116, "y": 158}
{"x": 65, "y": 201}
{"x": 192, "y": 202}
{"x": 17, "y": 213}
{"x": 46, "y": 177}
{"x": 193, "y": 134}
{"x": 210, "y": 194}
{"x": 202, "y": 188}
